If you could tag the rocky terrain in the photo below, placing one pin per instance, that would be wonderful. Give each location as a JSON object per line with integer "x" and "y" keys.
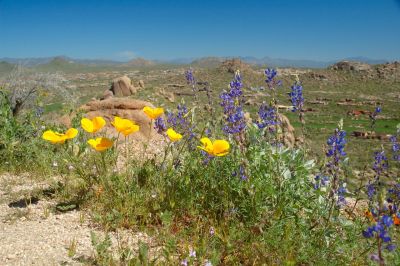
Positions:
{"x": 34, "y": 232}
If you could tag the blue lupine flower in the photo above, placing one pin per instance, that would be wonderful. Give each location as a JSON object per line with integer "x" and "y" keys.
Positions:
{"x": 336, "y": 144}
{"x": 270, "y": 78}
{"x": 373, "y": 116}
{"x": 391, "y": 247}
{"x": 296, "y": 97}
{"x": 341, "y": 195}
{"x": 268, "y": 116}
{"x": 380, "y": 229}
{"x": 241, "y": 173}
{"x": 395, "y": 148}
{"x": 159, "y": 125}
{"x": 189, "y": 77}
{"x": 321, "y": 181}
{"x": 180, "y": 121}
{"x": 231, "y": 101}
{"x": 387, "y": 220}
{"x": 380, "y": 163}
{"x": 370, "y": 191}
{"x": 369, "y": 232}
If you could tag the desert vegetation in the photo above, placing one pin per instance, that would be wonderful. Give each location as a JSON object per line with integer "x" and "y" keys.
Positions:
{"x": 222, "y": 166}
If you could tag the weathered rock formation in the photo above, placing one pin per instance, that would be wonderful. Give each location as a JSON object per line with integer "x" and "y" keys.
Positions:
{"x": 122, "y": 107}
{"x": 351, "y": 66}
{"x": 231, "y": 65}
{"x": 120, "y": 87}
{"x": 287, "y": 131}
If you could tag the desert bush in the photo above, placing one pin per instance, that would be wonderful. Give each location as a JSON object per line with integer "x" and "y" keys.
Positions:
{"x": 243, "y": 198}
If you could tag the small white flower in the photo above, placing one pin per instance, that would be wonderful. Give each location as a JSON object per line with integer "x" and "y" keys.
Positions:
{"x": 43, "y": 127}
{"x": 192, "y": 253}
{"x": 70, "y": 167}
{"x": 55, "y": 164}
{"x": 208, "y": 263}
{"x": 212, "y": 231}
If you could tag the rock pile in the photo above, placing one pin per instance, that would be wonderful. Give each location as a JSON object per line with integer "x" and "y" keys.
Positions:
{"x": 231, "y": 65}
{"x": 389, "y": 70}
{"x": 351, "y": 66}
{"x": 120, "y": 87}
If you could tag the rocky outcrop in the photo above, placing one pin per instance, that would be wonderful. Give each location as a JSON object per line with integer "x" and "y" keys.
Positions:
{"x": 389, "y": 70}
{"x": 287, "y": 131}
{"x": 122, "y": 107}
{"x": 141, "y": 84}
{"x": 231, "y": 65}
{"x": 122, "y": 86}
{"x": 351, "y": 66}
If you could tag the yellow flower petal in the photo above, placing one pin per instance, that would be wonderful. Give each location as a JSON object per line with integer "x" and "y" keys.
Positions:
{"x": 153, "y": 113}
{"x": 100, "y": 144}
{"x": 124, "y": 126}
{"x": 130, "y": 130}
{"x": 207, "y": 145}
{"x": 87, "y": 125}
{"x": 71, "y": 133}
{"x": 53, "y": 137}
{"x": 98, "y": 123}
{"x": 173, "y": 135}
{"x": 94, "y": 125}
{"x": 220, "y": 147}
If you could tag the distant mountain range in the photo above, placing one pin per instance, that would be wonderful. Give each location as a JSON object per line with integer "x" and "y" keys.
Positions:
{"x": 196, "y": 62}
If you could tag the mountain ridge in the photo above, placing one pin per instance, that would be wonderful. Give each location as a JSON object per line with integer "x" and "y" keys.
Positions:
{"x": 207, "y": 61}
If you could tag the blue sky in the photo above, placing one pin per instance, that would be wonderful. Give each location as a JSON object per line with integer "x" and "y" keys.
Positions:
{"x": 155, "y": 29}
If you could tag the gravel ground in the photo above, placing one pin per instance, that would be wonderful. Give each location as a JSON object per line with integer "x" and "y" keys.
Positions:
{"x": 33, "y": 234}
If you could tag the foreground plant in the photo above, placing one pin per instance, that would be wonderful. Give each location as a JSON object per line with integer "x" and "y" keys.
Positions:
{"x": 59, "y": 138}
{"x": 125, "y": 126}
{"x": 100, "y": 144}
{"x": 93, "y": 125}
{"x": 217, "y": 148}
{"x": 153, "y": 113}
{"x": 382, "y": 213}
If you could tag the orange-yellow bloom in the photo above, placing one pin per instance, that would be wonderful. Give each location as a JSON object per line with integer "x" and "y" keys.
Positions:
{"x": 59, "y": 138}
{"x": 217, "y": 148}
{"x": 153, "y": 113}
{"x": 396, "y": 220}
{"x": 124, "y": 126}
{"x": 173, "y": 135}
{"x": 100, "y": 144}
{"x": 94, "y": 125}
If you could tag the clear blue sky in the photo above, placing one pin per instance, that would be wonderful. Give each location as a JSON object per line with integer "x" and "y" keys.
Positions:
{"x": 156, "y": 29}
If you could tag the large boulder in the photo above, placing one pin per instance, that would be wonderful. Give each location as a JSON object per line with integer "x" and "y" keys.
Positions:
{"x": 122, "y": 107}
{"x": 352, "y": 66}
{"x": 287, "y": 130}
{"x": 231, "y": 65}
{"x": 122, "y": 86}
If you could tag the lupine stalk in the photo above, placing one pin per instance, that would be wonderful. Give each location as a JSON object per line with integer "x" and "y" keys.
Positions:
{"x": 379, "y": 211}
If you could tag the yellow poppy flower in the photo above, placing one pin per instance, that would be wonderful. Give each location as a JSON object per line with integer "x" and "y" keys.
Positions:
{"x": 94, "y": 125}
{"x": 124, "y": 126}
{"x": 100, "y": 144}
{"x": 153, "y": 113}
{"x": 217, "y": 148}
{"x": 173, "y": 135}
{"x": 59, "y": 138}
{"x": 71, "y": 133}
